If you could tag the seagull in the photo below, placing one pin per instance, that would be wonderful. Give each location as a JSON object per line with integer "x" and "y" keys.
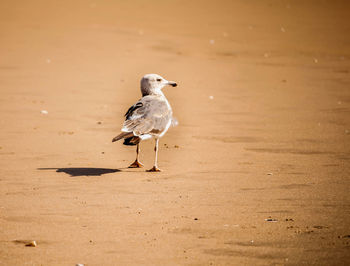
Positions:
{"x": 150, "y": 117}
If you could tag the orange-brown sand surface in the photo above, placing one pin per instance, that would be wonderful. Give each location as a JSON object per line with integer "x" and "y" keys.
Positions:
{"x": 256, "y": 172}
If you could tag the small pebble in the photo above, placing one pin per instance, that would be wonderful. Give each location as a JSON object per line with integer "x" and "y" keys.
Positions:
{"x": 271, "y": 220}
{"x": 211, "y": 97}
{"x": 319, "y": 227}
{"x": 44, "y": 112}
{"x": 31, "y": 244}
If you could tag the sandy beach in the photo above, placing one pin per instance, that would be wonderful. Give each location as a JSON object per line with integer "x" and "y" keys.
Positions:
{"x": 256, "y": 172}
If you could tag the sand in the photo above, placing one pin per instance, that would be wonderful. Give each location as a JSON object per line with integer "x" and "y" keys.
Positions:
{"x": 256, "y": 172}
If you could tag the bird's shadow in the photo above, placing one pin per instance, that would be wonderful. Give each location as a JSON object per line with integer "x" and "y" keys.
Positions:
{"x": 83, "y": 171}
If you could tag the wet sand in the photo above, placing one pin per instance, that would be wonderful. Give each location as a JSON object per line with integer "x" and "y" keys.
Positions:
{"x": 256, "y": 172}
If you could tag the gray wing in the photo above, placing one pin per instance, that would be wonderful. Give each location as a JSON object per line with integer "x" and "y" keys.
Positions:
{"x": 151, "y": 114}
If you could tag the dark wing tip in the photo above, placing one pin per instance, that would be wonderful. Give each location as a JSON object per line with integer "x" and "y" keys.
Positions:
{"x": 132, "y": 109}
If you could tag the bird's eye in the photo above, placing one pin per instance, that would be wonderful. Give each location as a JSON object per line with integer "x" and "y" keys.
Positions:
{"x": 159, "y": 80}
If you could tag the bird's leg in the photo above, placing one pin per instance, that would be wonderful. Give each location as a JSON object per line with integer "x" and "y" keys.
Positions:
{"x": 155, "y": 167}
{"x": 136, "y": 164}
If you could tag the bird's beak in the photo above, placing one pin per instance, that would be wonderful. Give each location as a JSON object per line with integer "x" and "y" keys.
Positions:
{"x": 172, "y": 83}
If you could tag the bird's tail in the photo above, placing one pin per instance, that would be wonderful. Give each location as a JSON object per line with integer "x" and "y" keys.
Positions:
{"x": 123, "y": 135}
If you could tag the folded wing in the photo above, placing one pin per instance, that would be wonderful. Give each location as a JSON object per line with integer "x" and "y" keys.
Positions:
{"x": 150, "y": 115}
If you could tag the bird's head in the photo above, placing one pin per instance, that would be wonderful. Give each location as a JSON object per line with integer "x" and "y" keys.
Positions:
{"x": 152, "y": 84}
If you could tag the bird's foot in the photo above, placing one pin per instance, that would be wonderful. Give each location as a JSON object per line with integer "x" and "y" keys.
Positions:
{"x": 136, "y": 164}
{"x": 154, "y": 169}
